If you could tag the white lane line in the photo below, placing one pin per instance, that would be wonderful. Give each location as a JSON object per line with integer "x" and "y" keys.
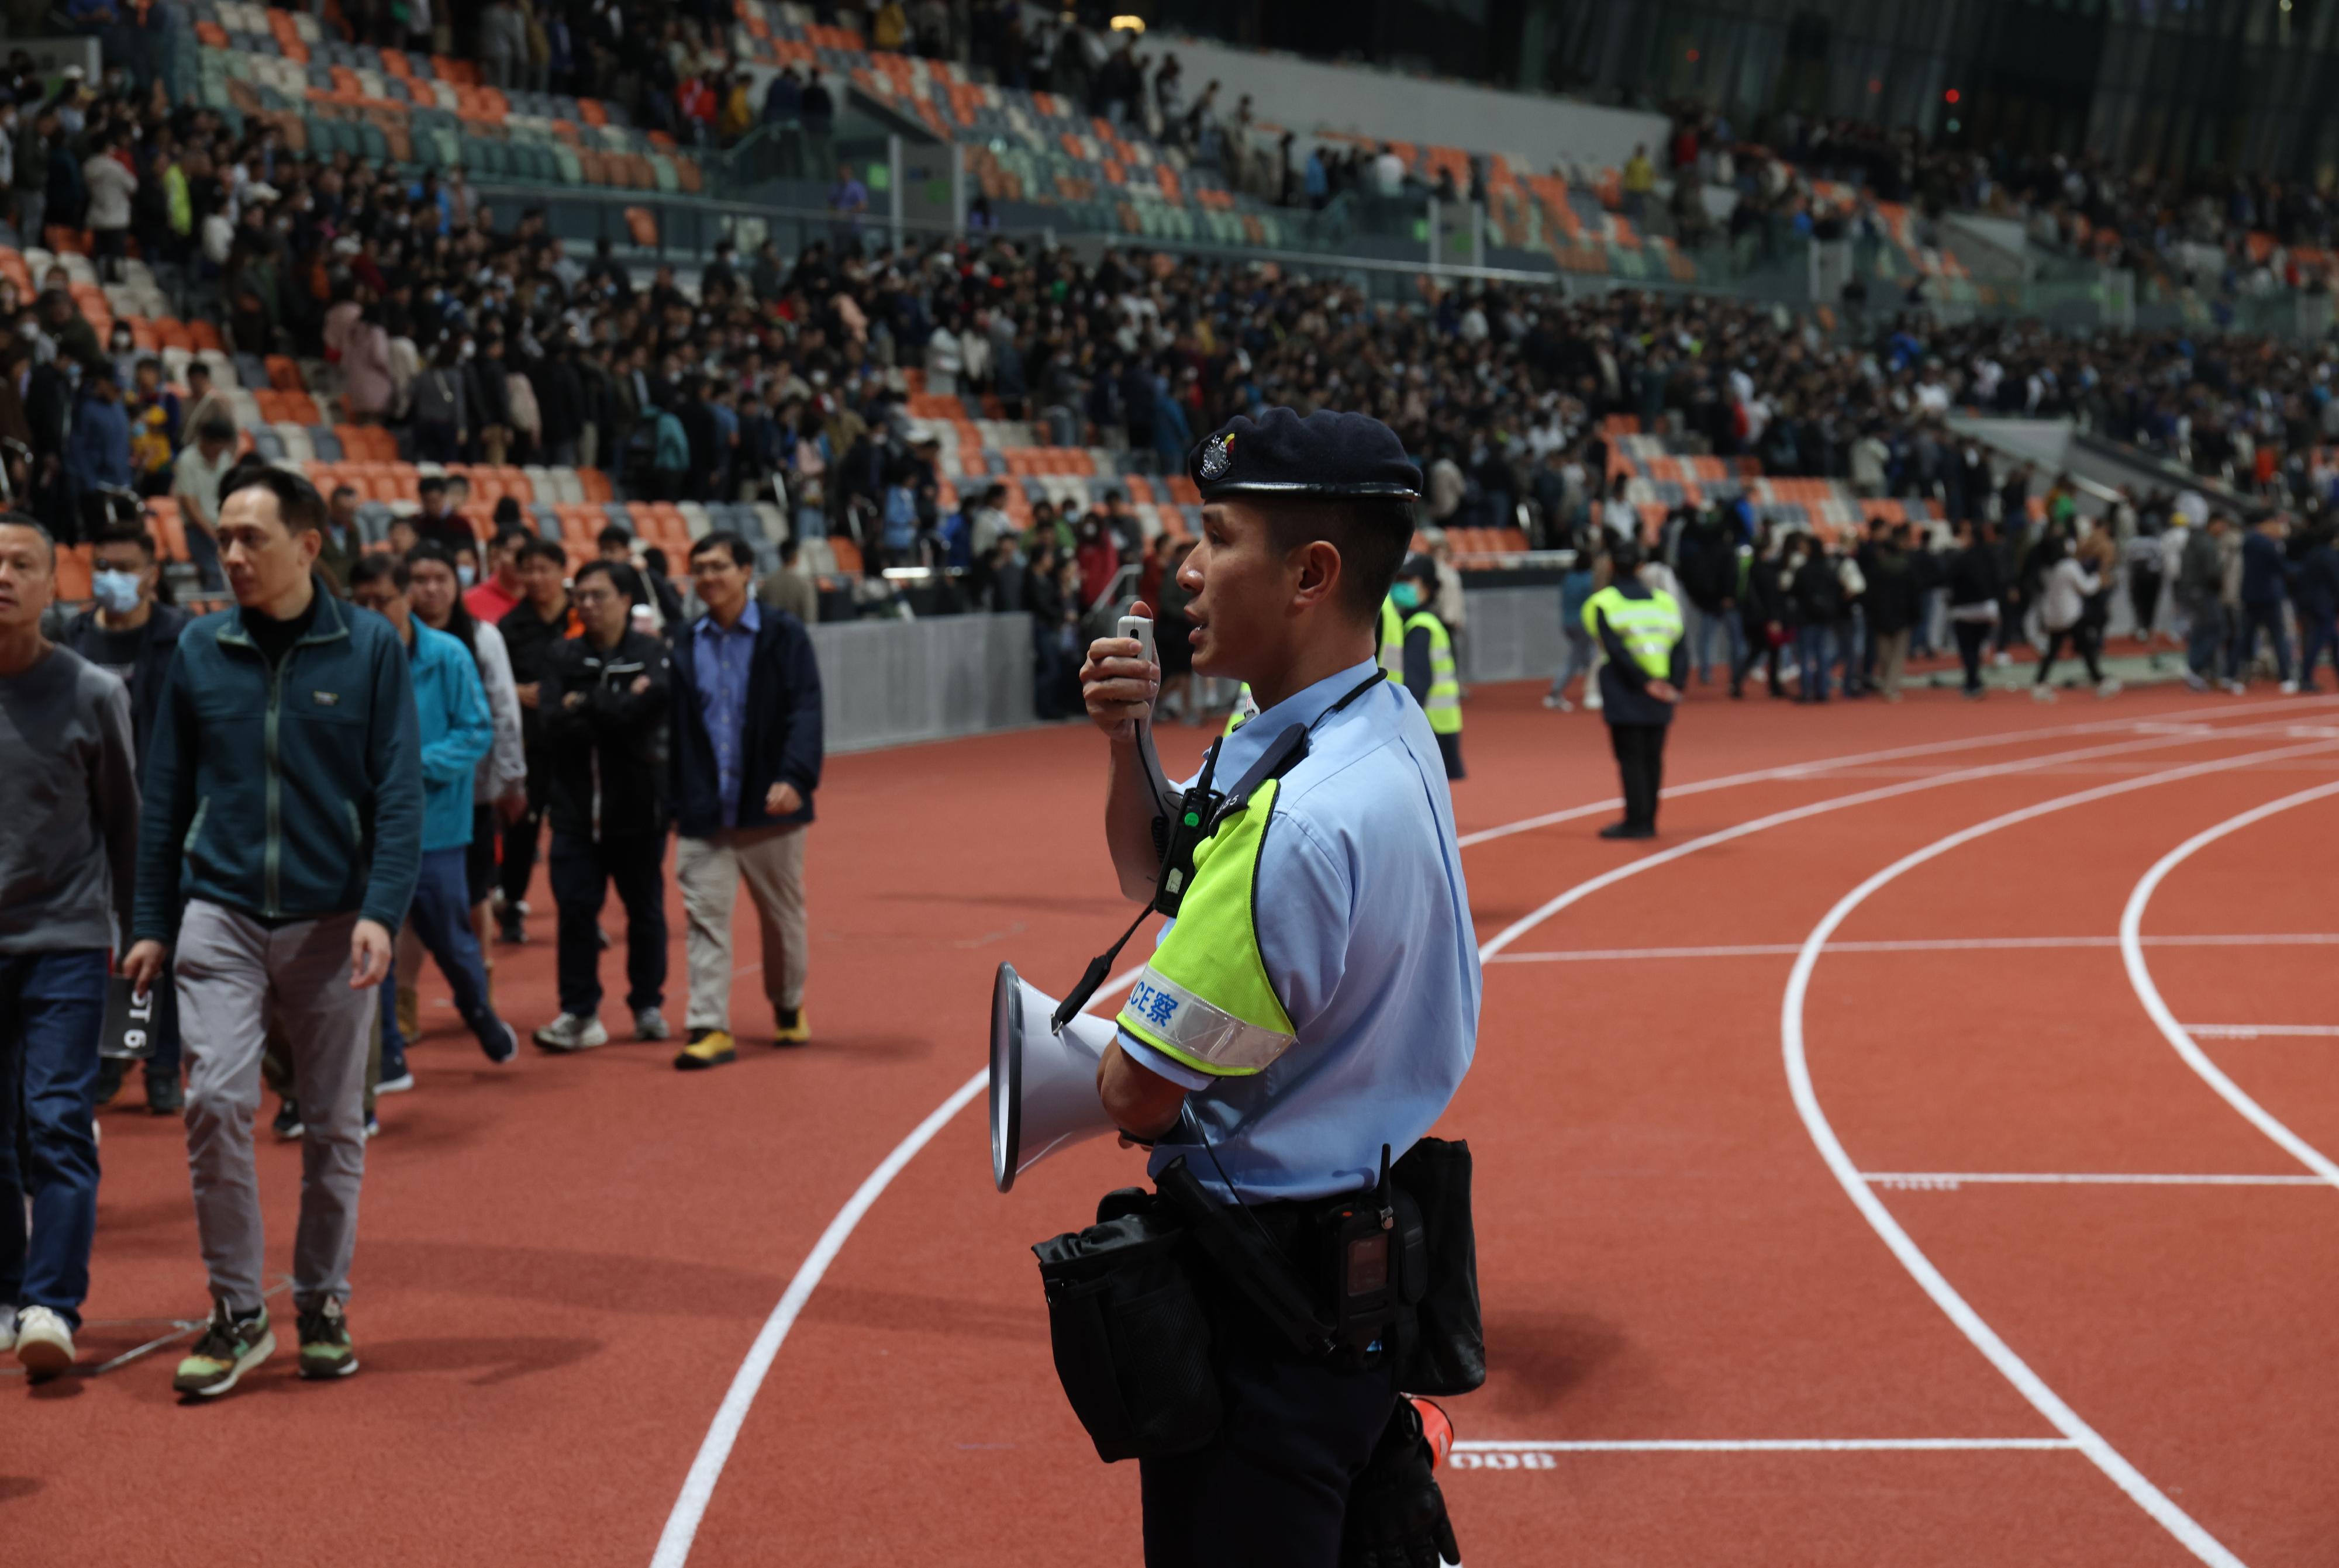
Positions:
{"x": 706, "y": 1469}
{"x": 1950, "y": 944}
{"x": 2140, "y": 975}
{"x": 2257, "y": 1030}
{"x": 2162, "y": 728}
{"x": 1770, "y": 1446}
{"x": 1951, "y": 1180}
{"x": 1616, "y": 875}
{"x": 1982, "y": 1336}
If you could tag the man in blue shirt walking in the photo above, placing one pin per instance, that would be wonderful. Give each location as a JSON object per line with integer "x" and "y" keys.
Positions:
{"x": 747, "y": 759}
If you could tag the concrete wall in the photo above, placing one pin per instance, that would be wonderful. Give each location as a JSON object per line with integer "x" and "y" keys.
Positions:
{"x": 890, "y": 683}
{"x": 1304, "y": 96}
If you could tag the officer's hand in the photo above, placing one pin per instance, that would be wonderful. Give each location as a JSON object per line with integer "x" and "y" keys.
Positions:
{"x": 1118, "y": 684}
{"x": 1664, "y": 691}
{"x": 1396, "y": 1515}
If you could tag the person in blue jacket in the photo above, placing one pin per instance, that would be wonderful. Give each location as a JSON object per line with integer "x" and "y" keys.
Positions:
{"x": 450, "y": 707}
{"x": 2266, "y": 575}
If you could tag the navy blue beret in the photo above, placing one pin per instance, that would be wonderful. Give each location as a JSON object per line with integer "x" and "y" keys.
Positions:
{"x": 1324, "y": 454}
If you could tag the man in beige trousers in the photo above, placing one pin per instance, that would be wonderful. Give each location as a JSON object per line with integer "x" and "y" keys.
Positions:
{"x": 747, "y": 756}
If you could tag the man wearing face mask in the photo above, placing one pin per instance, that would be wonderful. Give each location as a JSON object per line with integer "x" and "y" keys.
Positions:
{"x": 132, "y": 633}
{"x": 1429, "y": 673}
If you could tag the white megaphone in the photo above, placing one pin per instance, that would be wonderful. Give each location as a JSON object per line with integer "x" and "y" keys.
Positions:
{"x": 1043, "y": 1084}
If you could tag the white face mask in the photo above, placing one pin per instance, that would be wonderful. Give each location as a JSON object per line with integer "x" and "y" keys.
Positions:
{"x": 117, "y": 592}
{"x": 466, "y": 575}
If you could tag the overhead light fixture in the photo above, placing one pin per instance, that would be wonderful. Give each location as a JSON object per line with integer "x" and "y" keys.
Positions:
{"x": 1128, "y": 24}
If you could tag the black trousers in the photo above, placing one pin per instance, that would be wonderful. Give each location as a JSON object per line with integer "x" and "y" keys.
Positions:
{"x": 1271, "y": 1490}
{"x": 518, "y": 863}
{"x": 1973, "y": 639}
{"x": 582, "y": 871}
{"x": 1640, "y": 759}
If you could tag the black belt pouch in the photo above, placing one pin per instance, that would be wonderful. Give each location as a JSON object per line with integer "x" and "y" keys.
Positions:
{"x": 1445, "y": 1353}
{"x": 1132, "y": 1342}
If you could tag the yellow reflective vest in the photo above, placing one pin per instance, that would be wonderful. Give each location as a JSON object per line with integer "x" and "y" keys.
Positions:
{"x": 1204, "y": 1000}
{"x": 1393, "y": 641}
{"x": 1445, "y": 705}
{"x": 1648, "y": 628}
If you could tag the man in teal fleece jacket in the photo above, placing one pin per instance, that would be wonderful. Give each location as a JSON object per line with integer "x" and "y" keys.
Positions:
{"x": 277, "y": 854}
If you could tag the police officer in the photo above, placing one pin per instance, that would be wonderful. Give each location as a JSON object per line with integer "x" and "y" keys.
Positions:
{"x": 1428, "y": 670}
{"x": 1316, "y": 1001}
{"x": 1640, "y": 630}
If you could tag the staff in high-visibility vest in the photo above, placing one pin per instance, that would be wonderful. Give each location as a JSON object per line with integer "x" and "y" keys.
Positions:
{"x": 1640, "y": 628}
{"x": 1429, "y": 671}
{"x": 1392, "y": 649}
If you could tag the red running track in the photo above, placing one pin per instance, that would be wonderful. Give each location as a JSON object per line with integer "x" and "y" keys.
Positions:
{"x": 563, "y": 1264}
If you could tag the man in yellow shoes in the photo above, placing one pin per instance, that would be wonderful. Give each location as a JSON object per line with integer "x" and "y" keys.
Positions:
{"x": 747, "y": 757}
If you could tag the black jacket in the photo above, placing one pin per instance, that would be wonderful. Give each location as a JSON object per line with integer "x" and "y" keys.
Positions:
{"x": 781, "y": 735}
{"x": 155, "y": 649}
{"x": 606, "y": 756}
{"x": 532, "y": 640}
{"x": 1892, "y": 596}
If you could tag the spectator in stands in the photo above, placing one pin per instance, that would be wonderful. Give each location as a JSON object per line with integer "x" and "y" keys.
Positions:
{"x": 499, "y": 592}
{"x": 98, "y": 458}
{"x": 1098, "y": 558}
{"x": 532, "y": 631}
{"x": 111, "y": 181}
{"x": 258, "y": 844}
{"x": 605, "y": 701}
{"x": 441, "y": 415}
{"x": 196, "y": 485}
{"x": 789, "y": 590}
{"x": 35, "y": 136}
{"x": 438, "y": 522}
{"x": 68, "y": 850}
{"x": 499, "y": 787}
{"x": 747, "y": 761}
{"x": 2263, "y": 590}
{"x": 129, "y": 631}
{"x": 344, "y": 540}
{"x": 456, "y": 734}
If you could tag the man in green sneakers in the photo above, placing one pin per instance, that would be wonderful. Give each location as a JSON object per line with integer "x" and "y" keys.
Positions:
{"x": 280, "y": 850}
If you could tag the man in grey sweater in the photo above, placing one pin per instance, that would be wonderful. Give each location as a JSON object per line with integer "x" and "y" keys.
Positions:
{"x": 68, "y": 862}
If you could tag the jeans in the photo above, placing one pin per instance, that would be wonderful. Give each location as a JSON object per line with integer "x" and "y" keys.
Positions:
{"x": 1734, "y": 642}
{"x": 2246, "y": 640}
{"x": 1811, "y": 659}
{"x": 1574, "y": 660}
{"x": 1047, "y": 672}
{"x": 51, "y": 1010}
{"x": 582, "y": 870}
{"x": 2203, "y": 639}
{"x": 202, "y": 551}
{"x": 442, "y": 916}
{"x": 1851, "y": 673}
{"x": 2317, "y": 634}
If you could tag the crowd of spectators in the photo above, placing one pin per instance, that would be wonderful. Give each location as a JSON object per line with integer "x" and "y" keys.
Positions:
{"x": 2193, "y": 230}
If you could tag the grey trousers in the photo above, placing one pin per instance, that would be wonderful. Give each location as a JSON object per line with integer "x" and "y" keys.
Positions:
{"x": 234, "y": 978}
{"x": 709, "y": 869}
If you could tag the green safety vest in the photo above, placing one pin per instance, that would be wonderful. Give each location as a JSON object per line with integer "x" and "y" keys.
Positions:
{"x": 1393, "y": 641}
{"x": 1205, "y": 1001}
{"x": 1648, "y": 628}
{"x": 1445, "y": 705}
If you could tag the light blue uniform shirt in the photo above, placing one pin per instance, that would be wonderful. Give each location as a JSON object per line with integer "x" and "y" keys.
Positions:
{"x": 1363, "y": 923}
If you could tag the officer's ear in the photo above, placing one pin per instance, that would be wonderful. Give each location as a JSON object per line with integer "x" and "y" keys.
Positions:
{"x": 1316, "y": 570}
